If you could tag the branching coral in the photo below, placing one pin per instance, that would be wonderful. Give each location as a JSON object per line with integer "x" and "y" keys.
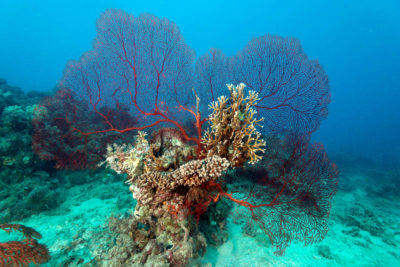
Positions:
{"x": 138, "y": 77}
{"x": 142, "y": 165}
{"x": 169, "y": 185}
{"x": 22, "y": 253}
{"x": 233, "y": 134}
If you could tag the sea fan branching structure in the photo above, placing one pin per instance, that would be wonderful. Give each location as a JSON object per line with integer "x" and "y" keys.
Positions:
{"x": 192, "y": 134}
{"x": 25, "y": 252}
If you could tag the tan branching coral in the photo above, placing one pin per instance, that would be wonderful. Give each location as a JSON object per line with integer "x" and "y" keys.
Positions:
{"x": 232, "y": 133}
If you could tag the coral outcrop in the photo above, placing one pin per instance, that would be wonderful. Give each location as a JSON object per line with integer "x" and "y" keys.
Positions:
{"x": 139, "y": 76}
{"x": 174, "y": 186}
{"x": 169, "y": 186}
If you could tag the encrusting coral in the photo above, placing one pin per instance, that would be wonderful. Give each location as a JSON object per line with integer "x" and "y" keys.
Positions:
{"x": 193, "y": 173}
{"x": 233, "y": 134}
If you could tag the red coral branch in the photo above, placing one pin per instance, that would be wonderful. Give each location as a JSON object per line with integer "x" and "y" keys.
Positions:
{"x": 144, "y": 58}
{"x": 290, "y": 198}
{"x": 22, "y": 253}
{"x": 139, "y": 75}
{"x": 139, "y": 63}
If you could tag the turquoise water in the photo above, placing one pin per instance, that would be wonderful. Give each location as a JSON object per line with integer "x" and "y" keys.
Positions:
{"x": 330, "y": 77}
{"x": 363, "y": 228}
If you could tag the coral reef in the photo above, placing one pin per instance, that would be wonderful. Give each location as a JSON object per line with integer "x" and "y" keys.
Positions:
{"x": 16, "y": 111}
{"x": 138, "y": 244}
{"x": 233, "y": 134}
{"x": 26, "y": 181}
{"x": 22, "y": 253}
{"x": 288, "y": 195}
{"x": 169, "y": 187}
{"x": 57, "y": 131}
{"x": 138, "y": 77}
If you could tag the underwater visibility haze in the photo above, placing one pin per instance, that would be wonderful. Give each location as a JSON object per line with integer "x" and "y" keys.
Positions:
{"x": 199, "y": 134}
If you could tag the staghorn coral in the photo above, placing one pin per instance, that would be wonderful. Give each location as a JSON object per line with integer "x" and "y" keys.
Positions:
{"x": 233, "y": 133}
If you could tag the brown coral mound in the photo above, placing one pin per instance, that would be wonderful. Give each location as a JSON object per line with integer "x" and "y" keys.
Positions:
{"x": 169, "y": 186}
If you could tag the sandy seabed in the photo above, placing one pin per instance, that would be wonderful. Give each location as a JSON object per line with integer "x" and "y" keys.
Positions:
{"x": 364, "y": 230}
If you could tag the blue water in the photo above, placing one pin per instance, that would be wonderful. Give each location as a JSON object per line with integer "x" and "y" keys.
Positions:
{"x": 357, "y": 43}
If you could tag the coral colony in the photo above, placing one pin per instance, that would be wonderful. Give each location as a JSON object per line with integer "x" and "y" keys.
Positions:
{"x": 190, "y": 135}
{"x": 22, "y": 253}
